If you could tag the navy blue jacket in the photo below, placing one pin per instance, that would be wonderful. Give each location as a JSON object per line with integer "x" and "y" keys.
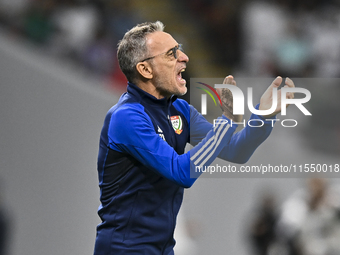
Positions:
{"x": 143, "y": 170}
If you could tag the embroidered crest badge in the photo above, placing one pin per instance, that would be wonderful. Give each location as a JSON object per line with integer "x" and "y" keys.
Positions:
{"x": 176, "y": 122}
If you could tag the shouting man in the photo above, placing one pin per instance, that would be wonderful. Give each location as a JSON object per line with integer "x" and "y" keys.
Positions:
{"x": 142, "y": 165}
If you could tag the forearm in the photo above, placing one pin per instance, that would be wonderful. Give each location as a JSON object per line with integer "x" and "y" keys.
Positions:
{"x": 138, "y": 138}
{"x": 243, "y": 144}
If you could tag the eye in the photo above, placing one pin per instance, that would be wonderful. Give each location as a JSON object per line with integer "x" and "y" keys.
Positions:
{"x": 170, "y": 53}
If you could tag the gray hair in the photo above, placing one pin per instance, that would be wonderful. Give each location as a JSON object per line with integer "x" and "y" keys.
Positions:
{"x": 132, "y": 48}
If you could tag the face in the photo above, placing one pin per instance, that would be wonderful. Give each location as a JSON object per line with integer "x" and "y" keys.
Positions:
{"x": 166, "y": 70}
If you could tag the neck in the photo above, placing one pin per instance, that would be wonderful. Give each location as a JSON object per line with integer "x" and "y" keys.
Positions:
{"x": 150, "y": 88}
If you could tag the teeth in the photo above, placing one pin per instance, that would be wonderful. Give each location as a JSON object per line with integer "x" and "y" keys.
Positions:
{"x": 182, "y": 70}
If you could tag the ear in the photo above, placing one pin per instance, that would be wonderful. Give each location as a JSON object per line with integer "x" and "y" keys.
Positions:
{"x": 145, "y": 70}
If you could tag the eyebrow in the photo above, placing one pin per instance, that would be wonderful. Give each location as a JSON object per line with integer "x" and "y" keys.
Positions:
{"x": 169, "y": 50}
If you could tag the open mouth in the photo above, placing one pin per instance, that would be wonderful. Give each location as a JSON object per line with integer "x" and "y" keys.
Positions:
{"x": 179, "y": 76}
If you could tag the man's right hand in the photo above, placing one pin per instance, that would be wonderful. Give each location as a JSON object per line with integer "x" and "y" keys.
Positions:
{"x": 227, "y": 100}
{"x": 267, "y": 98}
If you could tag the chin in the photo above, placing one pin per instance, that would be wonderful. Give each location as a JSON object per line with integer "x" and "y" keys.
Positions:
{"x": 181, "y": 89}
{"x": 182, "y": 92}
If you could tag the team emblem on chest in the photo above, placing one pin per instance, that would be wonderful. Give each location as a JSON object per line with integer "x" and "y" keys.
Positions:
{"x": 176, "y": 122}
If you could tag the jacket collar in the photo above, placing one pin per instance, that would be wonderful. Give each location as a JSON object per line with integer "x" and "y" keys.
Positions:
{"x": 148, "y": 98}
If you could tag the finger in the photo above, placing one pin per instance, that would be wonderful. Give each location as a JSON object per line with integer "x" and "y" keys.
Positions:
{"x": 277, "y": 82}
{"x": 289, "y": 83}
{"x": 289, "y": 95}
{"x": 229, "y": 80}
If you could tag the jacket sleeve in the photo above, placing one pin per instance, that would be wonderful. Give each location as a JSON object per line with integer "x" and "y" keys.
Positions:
{"x": 242, "y": 144}
{"x": 131, "y": 131}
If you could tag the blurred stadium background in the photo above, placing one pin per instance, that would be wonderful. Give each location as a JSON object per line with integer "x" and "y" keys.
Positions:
{"x": 59, "y": 76}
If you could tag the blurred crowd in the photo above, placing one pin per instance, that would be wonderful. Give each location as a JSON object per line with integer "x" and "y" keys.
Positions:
{"x": 307, "y": 223}
{"x": 84, "y": 32}
{"x": 268, "y": 38}
{"x": 292, "y": 38}
{"x": 260, "y": 38}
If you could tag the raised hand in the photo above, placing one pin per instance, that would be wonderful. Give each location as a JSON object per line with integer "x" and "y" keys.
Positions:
{"x": 267, "y": 97}
{"x": 227, "y": 100}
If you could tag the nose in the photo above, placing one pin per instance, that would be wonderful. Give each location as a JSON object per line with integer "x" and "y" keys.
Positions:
{"x": 182, "y": 57}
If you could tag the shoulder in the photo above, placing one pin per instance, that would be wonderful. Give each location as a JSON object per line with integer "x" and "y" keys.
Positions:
{"x": 127, "y": 122}
{"x": 181, "y": 103}
{"x": 183, "y": 107}
{"x": 128, "y": 113}
{"x": 187, "y": 110}
{"x": 127, "y": 107}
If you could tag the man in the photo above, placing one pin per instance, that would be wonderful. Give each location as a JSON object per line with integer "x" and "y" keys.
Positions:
{"x": 142, "y": 167}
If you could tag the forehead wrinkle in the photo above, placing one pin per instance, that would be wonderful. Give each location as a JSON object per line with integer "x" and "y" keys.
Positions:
{"x": 160, "y": 42}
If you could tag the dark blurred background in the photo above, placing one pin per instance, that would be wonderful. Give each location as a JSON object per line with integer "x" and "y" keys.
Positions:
{"x": 59, "y": 75}
{"x": 261, "y": 38}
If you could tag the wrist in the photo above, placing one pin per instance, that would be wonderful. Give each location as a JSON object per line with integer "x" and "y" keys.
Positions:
{"x": 264, "y": 117}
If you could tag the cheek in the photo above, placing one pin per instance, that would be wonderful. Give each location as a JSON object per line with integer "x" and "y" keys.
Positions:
{"x": 165, "y": 72}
